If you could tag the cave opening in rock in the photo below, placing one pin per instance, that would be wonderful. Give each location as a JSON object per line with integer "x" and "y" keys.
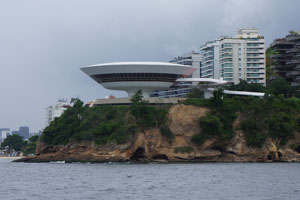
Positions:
{"x": 269, "y": 157}
{"x": 139, "y": 154}
{"x": 160, "y": 157}
{"x": 298, "y": 149}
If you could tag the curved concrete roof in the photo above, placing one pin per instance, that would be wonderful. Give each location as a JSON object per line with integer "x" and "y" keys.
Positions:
{"x": 138, "y": 67}
{"x": 136, "y": 63}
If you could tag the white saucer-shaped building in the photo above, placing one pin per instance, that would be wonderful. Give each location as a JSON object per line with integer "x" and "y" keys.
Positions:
{"x": 134, "y": 76}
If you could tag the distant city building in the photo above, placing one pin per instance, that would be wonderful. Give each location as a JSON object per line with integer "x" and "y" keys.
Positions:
{"x": 55, "y": 111}
{"x": 24, "y": 132}
{"x": 15, "y": 132}
{"x": 286, "y": 59}
{"x": 4, "y": 132}
{"x": 235, "y": 58}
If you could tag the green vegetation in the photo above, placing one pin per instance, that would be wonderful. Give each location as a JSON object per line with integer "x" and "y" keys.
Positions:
{"x": 198, "y": 139}
{"x": 276, "y": 115}
{"x": 244, "y": 86}
{"x": 218, "y": 123}
{"x": 254, "y": 132}
{"x": 147, "y": 116}
{"x": 280, "y": 86}
{"x": 13, "y": 142}
{"x": 166, "y": 132}
{"x": 31, "y": 145}
{"x": 104, "y": 124}
{"x": 101, "y": 124}
{"x": 195, "y": 93}
{"x": 269, "y": 62}
{"x": 196, "y": 102}
{"x": 185, "y": 149}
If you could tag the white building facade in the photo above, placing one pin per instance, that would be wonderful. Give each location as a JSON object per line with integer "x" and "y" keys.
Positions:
{"x": 192, "y": 59}
{"x": 235, "y": 58}
{"x": 55, "y": 111}
{"x": 4, "y": 133}
{"x": 210, "y": 60}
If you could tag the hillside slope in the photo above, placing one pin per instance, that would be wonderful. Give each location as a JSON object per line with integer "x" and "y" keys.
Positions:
{"x": 151, "y": 145}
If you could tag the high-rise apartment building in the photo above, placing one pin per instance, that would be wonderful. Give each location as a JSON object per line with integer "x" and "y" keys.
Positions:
{"x": 235, "y": 58}
{"x": 210, "y": 60}
{"x": 286, "y": 59}
{"x": 55, "y": 111}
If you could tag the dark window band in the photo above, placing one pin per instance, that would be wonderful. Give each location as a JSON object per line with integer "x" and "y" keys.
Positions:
{"x": 123, "y": 77}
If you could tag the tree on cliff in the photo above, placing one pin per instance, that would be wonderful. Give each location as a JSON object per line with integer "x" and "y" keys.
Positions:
{"x": 137, "y": 98}
{"x": 31, "y": 145}
{"x": 13, "y": 142}
{"x": 280, "y": 86}
{"x": 217, "y": 99}
{"x": 245, "y": 86}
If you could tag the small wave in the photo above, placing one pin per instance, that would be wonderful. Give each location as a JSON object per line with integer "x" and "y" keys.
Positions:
{"x": 59, "y": 162}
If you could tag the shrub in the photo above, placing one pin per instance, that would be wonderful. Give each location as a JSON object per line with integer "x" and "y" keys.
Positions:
{"x": 196, "y": 102}
{"x": 198, "y": 139}
{"x": 166, "y": 132}
{"x": 185, "y": 149}
{"x": 217, "y": 99}
{"x": 281, "y": 126}
{"x": 99, "y": 124}
{"x": 147, "y": 116}
{"x": 255, "y": 137}
{"x": 31, "y": 145}
{"x": 211, "y": 126}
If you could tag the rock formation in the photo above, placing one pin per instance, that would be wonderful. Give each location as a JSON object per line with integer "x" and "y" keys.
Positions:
{"x": 150, "y": 145}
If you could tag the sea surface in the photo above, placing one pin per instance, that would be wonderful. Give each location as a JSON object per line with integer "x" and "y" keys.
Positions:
{"x": 55, "y": 181}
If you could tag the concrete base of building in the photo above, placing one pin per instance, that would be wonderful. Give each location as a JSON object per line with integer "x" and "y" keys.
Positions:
{"x": 126, "y": 101}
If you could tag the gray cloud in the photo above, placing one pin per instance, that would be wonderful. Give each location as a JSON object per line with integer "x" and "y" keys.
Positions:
{"x": 44, "y": 43}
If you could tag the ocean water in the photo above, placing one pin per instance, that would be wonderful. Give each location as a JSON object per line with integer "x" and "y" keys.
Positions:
{"x": 55, "y": 181}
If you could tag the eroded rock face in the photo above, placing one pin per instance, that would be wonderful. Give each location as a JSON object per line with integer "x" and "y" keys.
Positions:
{"x": 150, "y": 145}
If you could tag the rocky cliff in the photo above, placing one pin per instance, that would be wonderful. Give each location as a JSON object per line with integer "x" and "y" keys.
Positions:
{"x": 150, "y": 145}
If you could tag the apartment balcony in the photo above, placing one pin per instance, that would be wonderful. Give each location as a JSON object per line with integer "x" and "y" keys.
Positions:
{"x": 277, "y": 67}
{"x": 292, "y": 37}
{"x": 223, "y": 48}
{"x": 298, "y": 67}
{"x": 292, "y": 73}
{"x": 226, "y": 52}
{"x": 293, "y": 50}
{"x": 226, "y": 56}
{"x": 295, "y": 84}
{"x": 280, "y": 42}
{"x": 277, "y": 56}
{"x": 292, "y": 62}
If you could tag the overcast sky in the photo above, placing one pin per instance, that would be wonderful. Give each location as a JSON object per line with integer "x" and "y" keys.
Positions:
{"x": 44, "y": 43}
